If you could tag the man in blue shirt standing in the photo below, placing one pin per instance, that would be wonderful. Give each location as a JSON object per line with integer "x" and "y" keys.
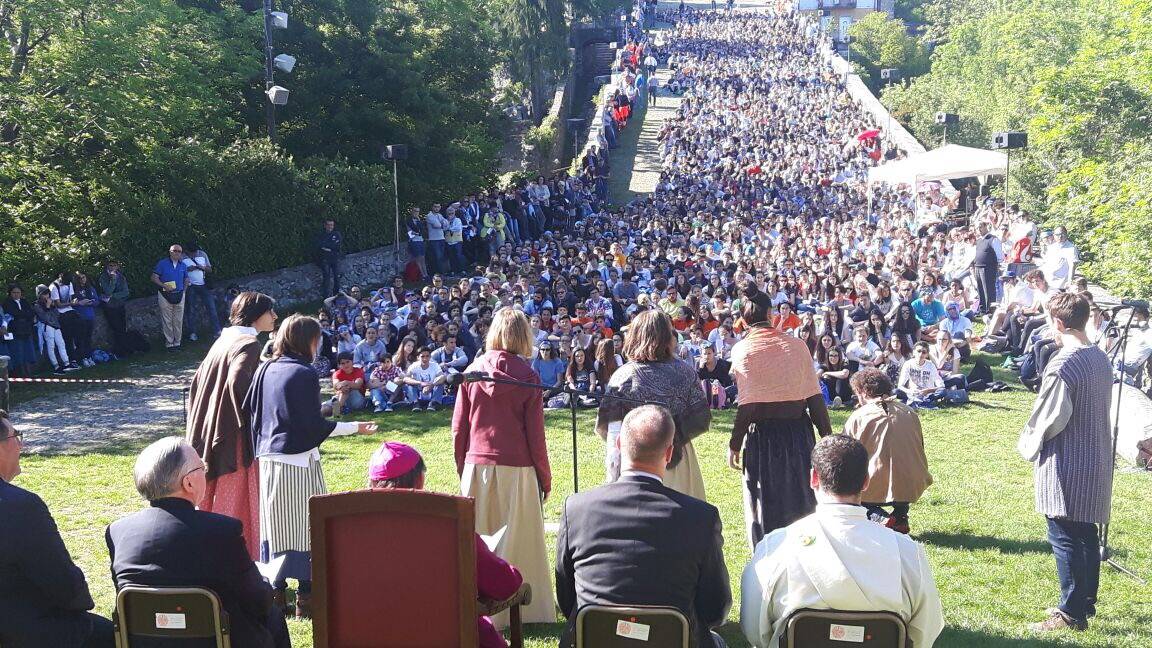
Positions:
{"x": 171, "y": 278}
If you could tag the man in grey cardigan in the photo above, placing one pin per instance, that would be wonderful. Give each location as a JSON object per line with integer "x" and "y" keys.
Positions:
{"x": 1068, "y": 438}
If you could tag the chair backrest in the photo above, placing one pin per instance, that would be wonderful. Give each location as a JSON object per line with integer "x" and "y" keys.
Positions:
{"x": 620, "y": 626}
{"x": 808, "y": 628}
{"x": 393, "y": 563}
{"x": 170, "y": 617}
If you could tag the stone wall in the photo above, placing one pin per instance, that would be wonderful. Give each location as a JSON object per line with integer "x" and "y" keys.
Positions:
{"x": 290, "y": 287}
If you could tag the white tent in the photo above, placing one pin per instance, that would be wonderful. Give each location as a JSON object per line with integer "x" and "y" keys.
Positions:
{"x": 945, "y": 163}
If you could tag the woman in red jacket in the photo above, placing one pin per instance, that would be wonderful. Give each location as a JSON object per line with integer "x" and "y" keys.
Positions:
{"x": 502, "y": 457}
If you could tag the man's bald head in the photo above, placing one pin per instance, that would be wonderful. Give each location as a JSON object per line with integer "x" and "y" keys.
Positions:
{"x": 646, "y": 434}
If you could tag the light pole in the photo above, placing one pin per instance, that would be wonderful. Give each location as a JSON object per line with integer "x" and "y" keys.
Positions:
{"x": 574, "y": 124}
{"x": 277, "y": 96}
{"x": 889, "y": 76}
{"x": 395, "y": 153}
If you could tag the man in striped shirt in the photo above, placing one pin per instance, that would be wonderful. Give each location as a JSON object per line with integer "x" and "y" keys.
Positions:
{"x": 1069, "y": 440}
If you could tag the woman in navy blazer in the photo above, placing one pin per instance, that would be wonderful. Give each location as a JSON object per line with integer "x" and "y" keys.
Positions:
{"x": 283, "y": 404}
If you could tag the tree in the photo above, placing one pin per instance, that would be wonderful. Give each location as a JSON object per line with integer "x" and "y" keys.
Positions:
{"x": 1074, "y": 75}
{"x": 533, "y": 37}
{"x": 882, "y": 42}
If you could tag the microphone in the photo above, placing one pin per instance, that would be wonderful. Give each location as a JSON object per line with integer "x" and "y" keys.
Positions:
{"x": 465, "y": 376}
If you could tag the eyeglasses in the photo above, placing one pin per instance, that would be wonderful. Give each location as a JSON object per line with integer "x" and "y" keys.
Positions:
{"x": 202, "y": 466}
{"x": 16, "y": 434}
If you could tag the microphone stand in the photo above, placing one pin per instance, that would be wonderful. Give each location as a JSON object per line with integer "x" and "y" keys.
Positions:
{"x": 1118, "y": 353}
{"x": 573, "y": 393}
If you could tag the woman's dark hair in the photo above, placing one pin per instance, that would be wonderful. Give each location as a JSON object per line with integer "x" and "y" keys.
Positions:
{"x": 906, "y": 326}
{"x": 296, "y": 338}
{"x": 407, "y": 480}
{"x": 754, "y": 312}
{"x": 249, "y": 306}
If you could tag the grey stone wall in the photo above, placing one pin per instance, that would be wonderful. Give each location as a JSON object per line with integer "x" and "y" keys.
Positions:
{"x": 290, "y": 287}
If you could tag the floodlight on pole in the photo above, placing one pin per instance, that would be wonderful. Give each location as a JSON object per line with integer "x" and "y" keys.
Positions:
{"x": 279, "y": 19}
{"x": 277, "y": 95}
{"x": 284, "y": 62}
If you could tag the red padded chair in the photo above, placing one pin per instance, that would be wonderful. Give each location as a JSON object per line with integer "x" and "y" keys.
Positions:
{"x": 393, "y": 568}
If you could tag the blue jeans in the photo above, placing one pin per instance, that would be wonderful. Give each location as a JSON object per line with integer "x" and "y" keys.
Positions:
{"x": 415, "y": 394}
{"x": 456, "y": 257}
{"x": 354, "y": 403}
{"x": 381, "y": 397}
{"x": 1077, "y": 549}
{"x": 200, "y": 297}
{"x": 436, "y": 255}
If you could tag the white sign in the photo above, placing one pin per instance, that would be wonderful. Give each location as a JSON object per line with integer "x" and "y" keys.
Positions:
{"x": 171, "y": 621}
{"x": 637, "y": 631}
{"x": 838, "y": 632}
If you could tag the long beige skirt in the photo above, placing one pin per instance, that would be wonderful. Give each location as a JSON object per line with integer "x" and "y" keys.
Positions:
{"x": 686, "y": 477}
{"x": 509, "y": 496}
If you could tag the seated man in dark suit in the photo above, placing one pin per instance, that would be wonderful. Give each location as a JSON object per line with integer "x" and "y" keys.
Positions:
{"x": 43, "y": 595}
{"x": 171, "y": 544}
{"x": 638, "y": 542}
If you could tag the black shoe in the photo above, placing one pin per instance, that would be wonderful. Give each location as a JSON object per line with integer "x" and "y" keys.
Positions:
{"x": 59, "y": 371}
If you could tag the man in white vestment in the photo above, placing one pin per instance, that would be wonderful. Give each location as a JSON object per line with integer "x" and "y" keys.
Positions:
{"x": 837, "y": 559}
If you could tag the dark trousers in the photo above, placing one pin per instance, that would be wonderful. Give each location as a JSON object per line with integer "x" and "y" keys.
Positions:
{"x": 84, "y": 330}
{"x": 200, "y": 298}
{"x": 456, "y": 257}
{"x": 70, "y": 329}
{"x": 839, "y": 387}
{"x": 330, "y": 268}
{"x": 1076, "y": 547}
{"x": 986, "y": 277}
{"x": 434, "y": 256}
{"x": 878, "y": 512}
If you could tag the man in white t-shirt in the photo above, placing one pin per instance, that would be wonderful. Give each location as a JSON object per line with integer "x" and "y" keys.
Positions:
{"x": 1060, "y": 259}
{"x": 199, "y": 296}
{"x": 424, "y": 383}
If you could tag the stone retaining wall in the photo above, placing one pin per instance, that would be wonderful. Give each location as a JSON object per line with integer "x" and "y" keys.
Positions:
{"x": 290, "y": 287}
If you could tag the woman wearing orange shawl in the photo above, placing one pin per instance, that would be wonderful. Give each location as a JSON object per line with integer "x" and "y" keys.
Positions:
{"x": 779, "y": 402}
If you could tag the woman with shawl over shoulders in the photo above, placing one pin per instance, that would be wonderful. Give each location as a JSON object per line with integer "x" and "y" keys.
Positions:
{"x": 502, "y": 457}
{"x": 779, "y": 401}
{"x": 283, "y": 404}
{"x": 217, "y": 424}
{"x": 655, "y": 374}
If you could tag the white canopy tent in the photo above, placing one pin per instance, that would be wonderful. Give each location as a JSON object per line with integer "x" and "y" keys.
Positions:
{"x": 945, "y": 163}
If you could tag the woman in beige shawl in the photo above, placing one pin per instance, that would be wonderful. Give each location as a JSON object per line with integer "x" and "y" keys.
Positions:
{"x": 217, "y": 425}
{"x": 890, "y": 430}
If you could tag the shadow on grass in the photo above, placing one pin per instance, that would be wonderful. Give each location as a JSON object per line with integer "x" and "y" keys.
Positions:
{"x": 974, "y": 541}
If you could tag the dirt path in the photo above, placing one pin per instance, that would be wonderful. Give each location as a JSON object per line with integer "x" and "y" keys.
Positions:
{"x": 108, "y": 417}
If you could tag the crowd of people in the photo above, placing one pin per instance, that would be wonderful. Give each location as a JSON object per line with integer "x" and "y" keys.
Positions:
{"x": 55, "y": 328}
{"x": 762, "y": 273}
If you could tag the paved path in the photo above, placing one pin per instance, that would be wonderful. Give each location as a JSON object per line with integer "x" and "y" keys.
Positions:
{"x": 107, "y": 418}
{"x": 643, "y": 174}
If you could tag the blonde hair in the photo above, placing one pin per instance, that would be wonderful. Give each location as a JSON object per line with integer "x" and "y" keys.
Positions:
{"x": 649, "y": 338}
{"x": 511, "y": 332}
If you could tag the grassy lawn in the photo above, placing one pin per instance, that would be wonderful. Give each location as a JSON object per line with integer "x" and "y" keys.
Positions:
{"x": 986, "y": 544}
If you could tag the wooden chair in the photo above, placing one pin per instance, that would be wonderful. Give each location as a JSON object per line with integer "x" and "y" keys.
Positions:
{"x": 170, "y": 617}
{"x": 808, "y": 628}
{"x": 620, "y": 626}
{"x": 398, "y": 564}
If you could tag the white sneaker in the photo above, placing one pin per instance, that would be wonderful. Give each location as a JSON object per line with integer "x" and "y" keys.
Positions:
{"x": 193, "y": 337}
{"x": 837, "y": 402}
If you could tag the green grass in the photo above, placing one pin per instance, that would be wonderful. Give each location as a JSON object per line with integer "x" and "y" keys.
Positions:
{"x": 986, "y": 545}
